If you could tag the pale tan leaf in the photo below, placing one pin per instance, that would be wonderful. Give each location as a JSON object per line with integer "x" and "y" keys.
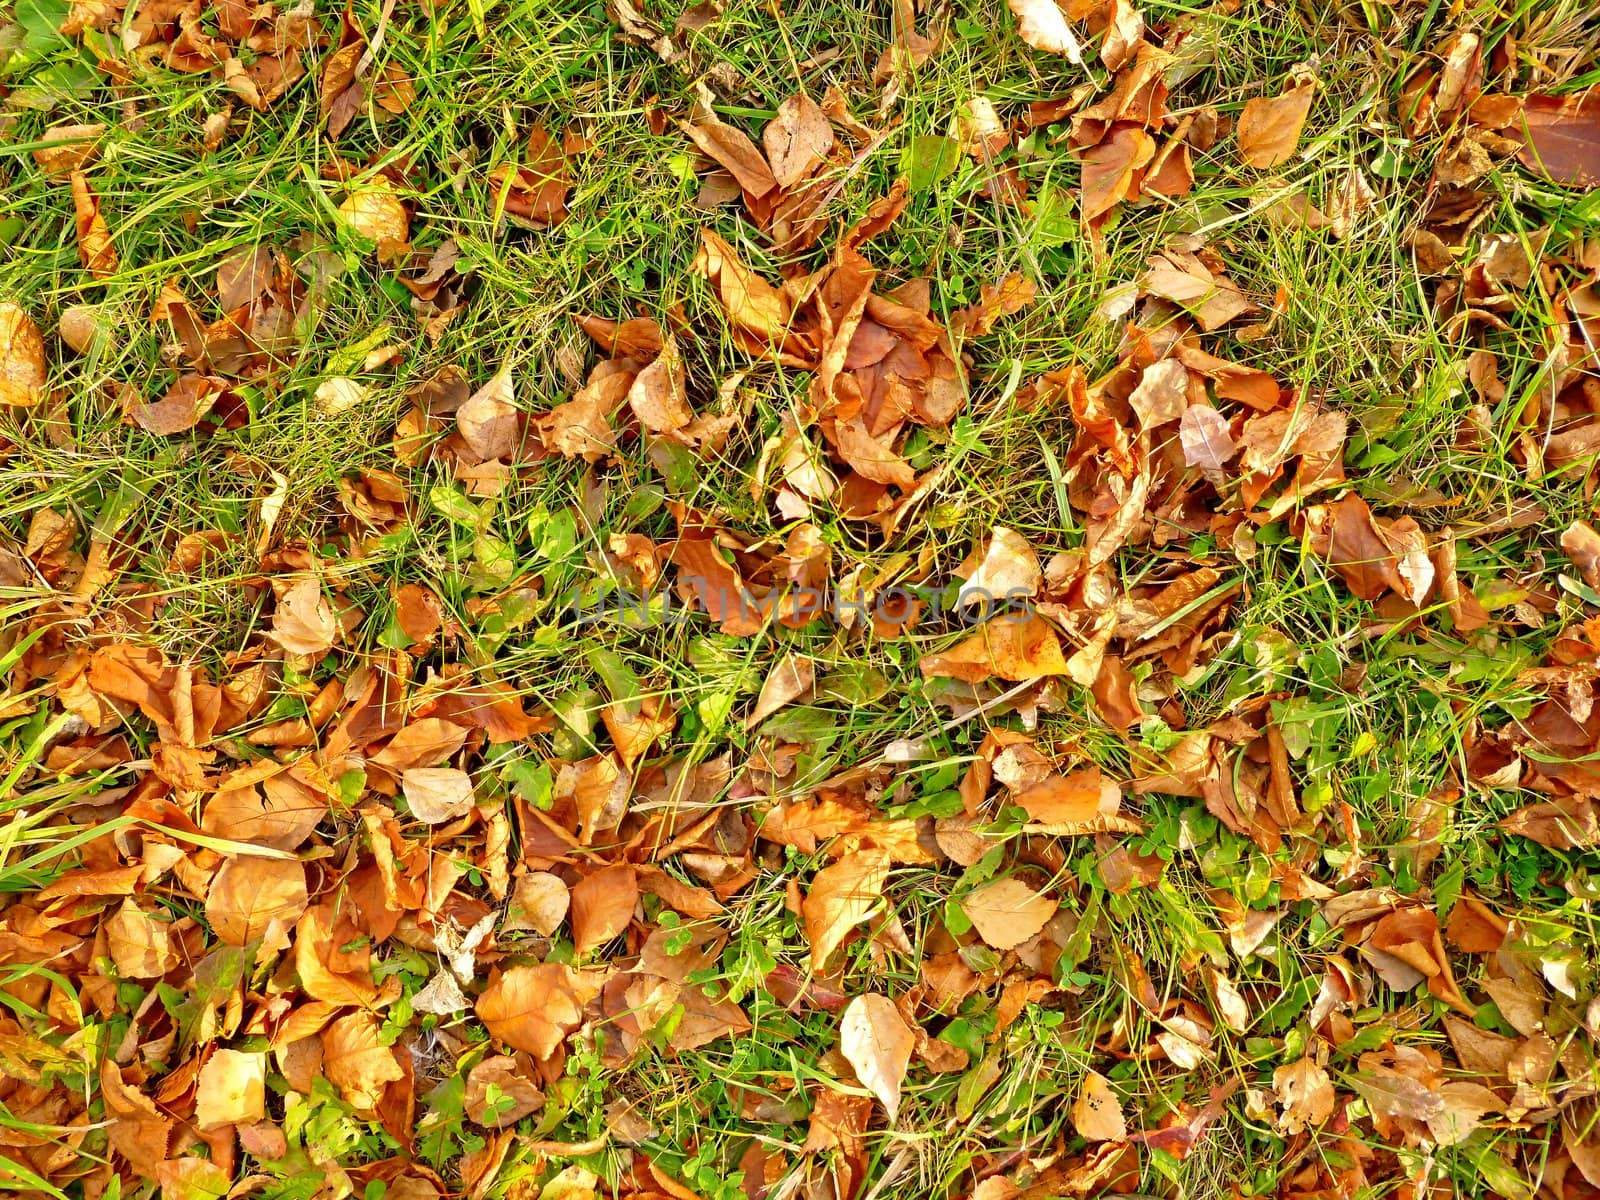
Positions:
{"x": 1097, "y": 1112}
{"x": 1007, "y": 912}
{"x": 877, "y": 1042}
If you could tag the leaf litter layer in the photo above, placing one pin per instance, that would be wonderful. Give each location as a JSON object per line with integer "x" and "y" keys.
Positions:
{"x": 1033, "y": 634}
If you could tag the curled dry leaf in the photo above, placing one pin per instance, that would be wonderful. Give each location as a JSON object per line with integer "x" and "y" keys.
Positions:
{"x": 1007, "y": 912}
{"x": 797, "y": 140}
{"x": 1009, "y": 570}
{"x": 303, "y": 622}
{"x": 1097, "y": 1112}
{"x": 875, "y": 1039}
{"x": 22, "y": 369}
{"x": 1043, "y": 25}
{"x": 1269, "y": 127}
{"x": 94, "y": 236}
{"x": 436, "y": 795}
{"x": 658, "y": 396}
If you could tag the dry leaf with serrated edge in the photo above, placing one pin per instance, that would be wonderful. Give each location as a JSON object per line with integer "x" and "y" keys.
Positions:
{"x": 437, "y": 794}
{"x": 231, "y": 1089}
{"x": 1269, "y": 127}
{"x": 1097, "y": 1112}
{"x": 22, "y": 369}
{"x": 1203, "y": 433}
{"x": 1305, "y": 1094}
{"x": 250, "y": 898}
{"x": 875, "y": 1039}
{"x": 303, "y": 622}
{"x": 841, "y": 897}
{"x": 1042, "y": 25}
{"x": 1007, "y": 912}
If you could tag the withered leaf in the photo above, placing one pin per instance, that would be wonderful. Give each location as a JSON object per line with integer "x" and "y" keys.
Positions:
{"x": 303, "y": 622}
{"x": 533, "y": 1008}
{"x": 231, "y": 1089}
{"x": 254, "y": 898}
{"x": 1043, "y": 25}
{"x": 1561, "y": 138}
{"x": 1097, "y": 1112}
{"x": 1269, "y": 127}
{"x": 436, "y": 795}
{"x": 875, "y": 1039}
{"x": 1009, "y": 647}
{"x": 94, "y": 236}
{"x": 797, "y": 140}
{"x": 842, "y": 895}
{"x": 1007, "y": 912}
{"x": 658, "y": 396}
{"x": 22, "y": 368}
{"x": 602, "y": 906}
{"x": 187, "y": 401}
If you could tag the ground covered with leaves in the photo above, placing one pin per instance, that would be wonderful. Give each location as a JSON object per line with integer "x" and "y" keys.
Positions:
{"x": 816, "y": 600}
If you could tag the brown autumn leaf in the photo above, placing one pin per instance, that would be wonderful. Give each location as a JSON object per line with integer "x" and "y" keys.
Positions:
{"x": 1162, "y": 393}
{"x": 789, "y": 680}
{"x": 22, "y": 367}
{"x": 876, "y": 1041}
{"x": 733, "y": 151}
{"x": 658, "y": 396}
{"x": 1269, "y": 127}
{"x": 1042, "y": 25}
{"x": 243, "y": 275}
{"x": 95, "y": 251}
{"x": 1111, "y": 168}
{"x": 1206, "y": 440}
{"x": 357, "y": 1062}
{"x": 436, "y": 795}
{"x": 185, "y": 404}
{"x": 533, "y": 1008}
{"x": 1212, "y": 299}
{"x": 303, "y": 621}
{"x": 253, "y": 898}
{"x": 1008, "y": 571}
{"x": 750, "y": 302}
{"x": 140, "y": 946}
{"x": 1348, "y": 537}
{"x": 1305, "y": 1095}
{"x": 424, "y": 743}
{"x": 842, "y": 895}
{"x": 511, "y": 1082}
{"x": 231, "y": 1089}
{"x": 489, "y": 421}
{"x": 797, "y": 140}
{"x": 1007, "y": 912}
{"x": 1582, "y": 545}
{"x": 373, "y": 211}
{"x": 67, "y": 148}
{"x": 539, "y": 902}
{"x": 602, "y": 906}
{"x": 1560, "y": 138}
{"x": 995, "y": 300}
{"x": 1097, "y": 1111}
{"x": 1008, "y": 647}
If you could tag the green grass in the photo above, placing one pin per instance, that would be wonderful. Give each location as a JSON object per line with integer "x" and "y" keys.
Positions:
{"x": 1384, "y": 717}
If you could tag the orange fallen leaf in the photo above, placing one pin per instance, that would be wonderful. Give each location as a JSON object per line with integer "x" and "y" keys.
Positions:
{"x": 231, "y": 1089}
{"x": 95, "y": 251}
{"x": 1097, "y": 1112}
{"x": 1269, "y": 127}
{"x": 22, "y": 368}
{"x": 533, "y": 1008}
{"x": 1008, "y": 647}
{"x": 1007, "y": 912}
{"x": 602, "y": 906}
{"x": 303, "y": 622}
{"x": 841, "y": 897}
{"x": 254, "y": 898}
